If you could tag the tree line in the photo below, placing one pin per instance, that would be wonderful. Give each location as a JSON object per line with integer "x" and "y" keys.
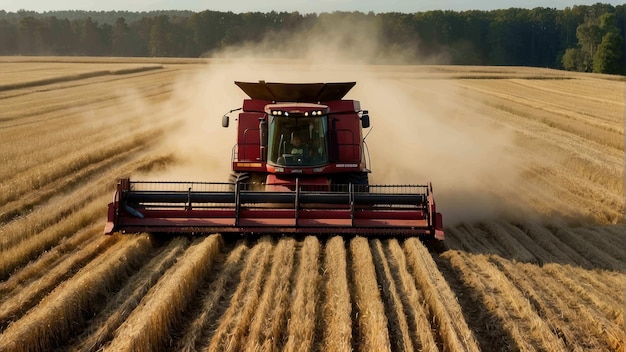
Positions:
{"x": 580, "y": 38}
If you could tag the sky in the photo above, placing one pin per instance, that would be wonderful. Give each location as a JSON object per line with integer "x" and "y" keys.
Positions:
{"x": 302, "y": 6}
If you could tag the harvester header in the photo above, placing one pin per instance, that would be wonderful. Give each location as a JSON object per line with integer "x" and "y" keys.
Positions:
{"x": 299, "y": 165}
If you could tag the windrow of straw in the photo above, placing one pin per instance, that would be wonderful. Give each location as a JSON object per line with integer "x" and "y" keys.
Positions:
{"x": 234, "y": 323}
{"x": 585, "y": 247}
{"x": 550, "y": 304}
{"x": 75, "y": 77}
{"x": 456, "y": 238}
{"x": 508, "y": 243}
{"x": 217, "y": 292}
{"x": 66, "y": 309}
{"x": 17, "y": 303}
{"x": 373, "y": 333}
{"x": 52, "y": 80}
{"x": 399, "y": 335}
{"x": 73, "y": 178}
{"x": 527, "y": 330}
{"x": 148, "y": 326}
{"x": 81, "y": 209}
{"x": 34, "y": 245}
{"x": 49, "y": 260}
{"x": 304, "y": 310}
{"x": 605, "y": 316}
{"x": 607, "y": 245}
{"x": 455, "y": 333}
{"x": 267, "y": 327}
{"x": 337, "y": 308}
{"x": 607, "y": 305}
{"x": 541, "y": 254}
{"x": 530, "y": 106}
{"x": 121, "y": 305}
{"x": 61, "y": 166}
{"x": 546, "y": 239}
{"x": 604, "y": 284}
{"x": 418, "y": 317}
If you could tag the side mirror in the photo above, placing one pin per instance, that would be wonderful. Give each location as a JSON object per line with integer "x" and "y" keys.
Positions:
{"x": 225, "y": 120}
{"x": 365, "y": 119}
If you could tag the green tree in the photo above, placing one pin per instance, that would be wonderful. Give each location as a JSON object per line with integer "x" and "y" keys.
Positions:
{"x": 573, "y": 60}
{"x": 158, "y": 37}
{"x": 90, "y": 39}
{"x": 122, "y": 39}
{"x": 8, "y": 38}
{"x": 589, "y": 36}
{"x": 608, "y": 58}
{"x": 30, "y": 38}
{"x": 166, "y": 37}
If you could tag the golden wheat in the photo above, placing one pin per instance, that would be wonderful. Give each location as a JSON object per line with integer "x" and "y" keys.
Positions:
{"x": 419, "y": 317}
{"x": 66, "y": 308}
{"x": 371, "y": 320}
{"x": 69, "y": 127}
{"x": 528, "y": 330}
{"x": 234, "y": 322}
{"x": 149, "y": 324}
{"x": 447, "y": 313}
{"x": 28, "y": 295}
{"x": 266, "y": 326}
{"x": 192, "y": 340}
{"x": 304, "y": 312}
{"x": 337, "y": 306}
{"x": 123, "y": 302}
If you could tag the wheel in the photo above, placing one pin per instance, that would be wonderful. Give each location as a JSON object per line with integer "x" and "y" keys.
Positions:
{"x": 237, "y": 178}
{"x": 248, "y": 180}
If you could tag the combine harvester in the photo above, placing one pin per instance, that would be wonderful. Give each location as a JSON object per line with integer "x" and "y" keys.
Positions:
{"x": 299, "y": 167}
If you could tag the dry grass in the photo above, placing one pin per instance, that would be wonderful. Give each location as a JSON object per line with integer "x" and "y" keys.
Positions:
{"x": 25, "y": 297}
{"x": 31, "y": 246}
{"x": 149, "y": 324}
{"x": 69, "y": 127}
{"x": 234, "y": 323}
{"x": 266, "y": 328}
{"x": 399, "y": 335}
{"x": 527, "y": 330}
{"x": 551, "y": 300}
{"x": 120, "y": 306}
{"x": 44, "y": 228}
{"x": 36, "y": 269}
{"x": 192, "y": 339}
{"x": 65, "y": 173}
{"x": 452, "y": 326}
{"x": 68, "y": 306}
{"x": 337, "y": 307}
{"x": 305, "y": 306}
{"x": 417, "y": 311}
{"x": 372, "y": 323}
{"x": 17, "y": 74}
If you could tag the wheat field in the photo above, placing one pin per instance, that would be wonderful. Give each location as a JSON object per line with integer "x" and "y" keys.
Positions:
{"x": 527, "y": 166}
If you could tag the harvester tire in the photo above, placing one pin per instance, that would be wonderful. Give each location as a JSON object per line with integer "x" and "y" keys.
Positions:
{"x": 236, "y": 178}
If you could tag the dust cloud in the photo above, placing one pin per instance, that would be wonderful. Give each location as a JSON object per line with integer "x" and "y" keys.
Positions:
{"x": 420, "y": 130}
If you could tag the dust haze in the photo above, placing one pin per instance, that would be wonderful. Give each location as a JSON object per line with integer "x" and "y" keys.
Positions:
{"x": 419, "y": 131}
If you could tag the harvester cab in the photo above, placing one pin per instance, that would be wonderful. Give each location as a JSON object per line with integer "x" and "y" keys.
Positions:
{"x": 299, "y": 165}
{"x": 304, "y": 132}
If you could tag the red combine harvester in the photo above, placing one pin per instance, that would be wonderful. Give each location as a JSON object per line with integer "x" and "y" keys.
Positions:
{"x": 299, "y": 166}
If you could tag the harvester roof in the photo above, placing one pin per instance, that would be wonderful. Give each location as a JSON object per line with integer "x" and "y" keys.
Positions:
{"x": 296, "y": 92}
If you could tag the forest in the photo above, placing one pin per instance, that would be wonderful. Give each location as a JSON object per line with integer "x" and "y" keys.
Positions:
{"x": 579, "y": 38}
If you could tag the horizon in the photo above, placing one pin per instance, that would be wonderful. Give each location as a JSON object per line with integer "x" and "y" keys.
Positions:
{"x": 301, "y": 6}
